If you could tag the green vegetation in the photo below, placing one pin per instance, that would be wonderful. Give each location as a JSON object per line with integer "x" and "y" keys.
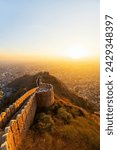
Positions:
{"x": 62, "y": 127}
{"x": 45, "y": 123}
{"x": 64, "y": 115}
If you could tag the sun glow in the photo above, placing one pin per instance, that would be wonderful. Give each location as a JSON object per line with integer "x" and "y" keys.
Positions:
{"x": 77, "y": 53}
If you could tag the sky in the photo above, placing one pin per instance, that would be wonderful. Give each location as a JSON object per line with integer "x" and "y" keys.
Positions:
{"x": 52, "y": 28}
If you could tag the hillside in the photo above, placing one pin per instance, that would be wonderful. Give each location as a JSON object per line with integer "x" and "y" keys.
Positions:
{"x": 69, "y": 124}
{"x": 63, "y": 126}
{"x": 28, "y": 82}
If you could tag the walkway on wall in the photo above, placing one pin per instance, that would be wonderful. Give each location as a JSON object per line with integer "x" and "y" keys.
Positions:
{"x": 23, "y": 110}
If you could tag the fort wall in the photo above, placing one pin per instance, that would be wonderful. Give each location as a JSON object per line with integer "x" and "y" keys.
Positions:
{"x": 45, "y": 95}
{"x": 18, "y": 126}
{"x": 17, "y": 119}
{"x": 9, "y": 112}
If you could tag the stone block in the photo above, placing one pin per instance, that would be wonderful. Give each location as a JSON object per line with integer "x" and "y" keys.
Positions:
{"x": 4, "y": 146}
{"x": 15, "y": 130}
{"x": 10, "y": 138}
{"x": 12, "y": 109}
{"x": 4, "y": 137}
{"x": 20, "y": 123}
{"x": 4, "y": 118}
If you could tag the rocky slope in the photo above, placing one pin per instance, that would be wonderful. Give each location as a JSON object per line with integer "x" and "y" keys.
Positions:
{"x": 69, "y": 124}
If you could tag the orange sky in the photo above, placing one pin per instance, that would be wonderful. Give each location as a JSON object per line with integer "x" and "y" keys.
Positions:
{"x": 31, "y": 30}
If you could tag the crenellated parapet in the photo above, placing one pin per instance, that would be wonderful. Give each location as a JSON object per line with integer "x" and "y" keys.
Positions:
{"x": 18, "y": 125}
{"x": 16, "y": 120}
{"x": 12, "y": 109}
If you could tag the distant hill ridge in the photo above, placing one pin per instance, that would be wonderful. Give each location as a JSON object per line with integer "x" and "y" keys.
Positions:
{"x": 28, "y": 82}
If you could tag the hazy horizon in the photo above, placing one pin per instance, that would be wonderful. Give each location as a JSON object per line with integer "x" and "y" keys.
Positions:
{"x": 36, "y": 30}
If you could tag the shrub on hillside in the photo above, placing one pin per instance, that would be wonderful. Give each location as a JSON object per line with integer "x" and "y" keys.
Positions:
{"x": 75, "y": 112}
{"x": 64, "y": 115}
{"x": 45, "y": 123}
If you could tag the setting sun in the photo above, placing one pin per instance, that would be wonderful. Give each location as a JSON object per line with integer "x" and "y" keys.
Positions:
{"x": 77, "y": 53}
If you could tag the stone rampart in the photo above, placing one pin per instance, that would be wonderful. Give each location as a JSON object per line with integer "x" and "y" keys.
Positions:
{"x": 9, "y": 112}
{"x": 18, "y": 126}
{"x": 17, "y": 119}
{"x": 45, "y": 95}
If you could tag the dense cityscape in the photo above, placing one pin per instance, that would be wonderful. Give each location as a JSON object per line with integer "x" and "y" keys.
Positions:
{"x": 85, "y": 84}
